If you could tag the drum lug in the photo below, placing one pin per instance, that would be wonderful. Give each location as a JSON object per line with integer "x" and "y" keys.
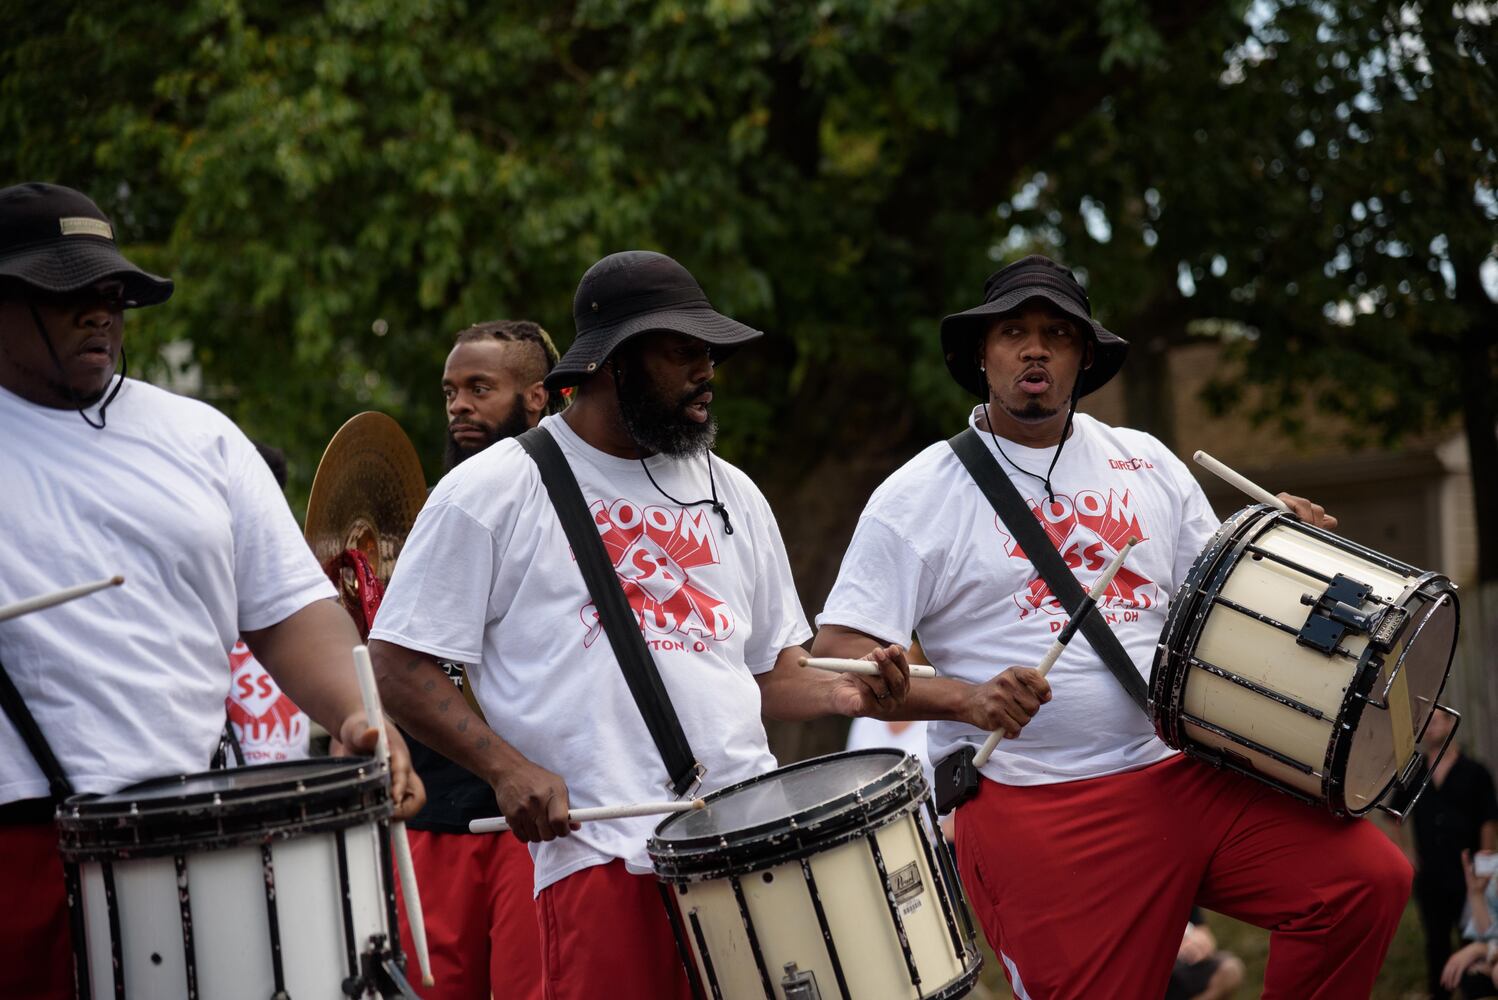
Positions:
{"x": 799, "y": 985}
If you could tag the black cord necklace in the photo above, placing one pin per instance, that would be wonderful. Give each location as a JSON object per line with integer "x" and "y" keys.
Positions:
{"x": 717, "y": 505}
{"x": 1065, "y": 433}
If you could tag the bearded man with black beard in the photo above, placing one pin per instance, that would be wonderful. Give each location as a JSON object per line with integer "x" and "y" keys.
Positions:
{"x": 488, "y": 577}
{"x": 492, "y": 384}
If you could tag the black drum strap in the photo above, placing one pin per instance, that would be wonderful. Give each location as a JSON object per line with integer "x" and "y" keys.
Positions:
{"x": 31, "y": 734}
{"x": 614, "y": 612}
{"x": 1020, "y": 520}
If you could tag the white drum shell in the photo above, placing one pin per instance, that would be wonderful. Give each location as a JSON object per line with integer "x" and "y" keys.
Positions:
{"x": 225, "y": 893}
{"x": 853, "y": 899}
{"x": 1378, "y": 739}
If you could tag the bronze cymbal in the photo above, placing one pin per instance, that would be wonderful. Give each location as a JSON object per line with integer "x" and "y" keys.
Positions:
{"x": 366, "y": 494}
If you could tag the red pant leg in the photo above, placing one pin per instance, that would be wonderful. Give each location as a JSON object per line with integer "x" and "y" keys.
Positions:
{"x": 514, "y": 936}
{"x": 1331, "y": 891}
{"x": 480, "y": 922}
{"x": 605, "y": 933}
{"x": 36, "y": 942}
{"x": 1084, "y": 888}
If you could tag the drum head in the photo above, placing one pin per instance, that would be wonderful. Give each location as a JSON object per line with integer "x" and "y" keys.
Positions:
{"x": 1422, "y": 656}
{"x": 789, "y": 812}
{"x": 229, "y": 808}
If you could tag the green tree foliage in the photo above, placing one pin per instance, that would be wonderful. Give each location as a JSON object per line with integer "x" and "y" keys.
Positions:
{"x": 1319, "y": 174}
{"x": 1323, "y": 186}
{"x": 828, "y": 170}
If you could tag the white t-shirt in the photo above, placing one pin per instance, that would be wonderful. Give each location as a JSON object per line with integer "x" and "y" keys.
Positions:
{"x": 268, "y": 724}
{"x": 931, "y": 556}
{"x": 869, "y": 733}
{"x": 487, "y": 578}
{"x": 129, "y": 683}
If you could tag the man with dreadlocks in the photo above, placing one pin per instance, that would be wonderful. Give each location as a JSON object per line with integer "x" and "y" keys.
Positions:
{"x": 488, "y": 578}
{"x": 104, "y": 474}
{"x": 1088, "y": 839}
{"x": 476, "y": 888}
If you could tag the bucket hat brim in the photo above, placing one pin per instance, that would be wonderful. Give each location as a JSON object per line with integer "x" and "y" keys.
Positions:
{"x": 63, "y": 266}
{"x": 592, "y": 348}
{"x": 961, "y": 333}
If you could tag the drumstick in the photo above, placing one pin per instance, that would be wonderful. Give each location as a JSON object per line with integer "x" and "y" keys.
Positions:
{"x": 841, "y": 666}
{"x": 499, "y": 824}
{"x": 1049, "y": 659}
{"x": 399, "y": 842}
{"x": 1232, "y": 478}
{"x": 57, "y": 597}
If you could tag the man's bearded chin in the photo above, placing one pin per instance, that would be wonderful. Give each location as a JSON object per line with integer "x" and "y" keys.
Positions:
{"x": 1033, "y": 411}
{"x": 661, "y": 425}
{"x": 518, "y": 422}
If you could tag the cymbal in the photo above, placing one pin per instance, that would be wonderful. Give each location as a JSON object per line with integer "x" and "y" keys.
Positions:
{"x": 366, "y": 494}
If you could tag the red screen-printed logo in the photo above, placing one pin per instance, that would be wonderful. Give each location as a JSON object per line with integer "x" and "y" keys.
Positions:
{"x": 1087, "y": 529}
{"x": 654, "y": 550}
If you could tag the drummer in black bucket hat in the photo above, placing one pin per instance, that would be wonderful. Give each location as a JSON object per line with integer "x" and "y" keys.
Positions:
{"x": 64, "y": 286}
{"x": 931, "y": 555}
{"x": 1030, "y": 398}
{"x": 488, "y": 576}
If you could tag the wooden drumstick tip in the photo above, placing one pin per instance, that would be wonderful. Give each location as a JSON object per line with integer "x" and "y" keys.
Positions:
{"x": 116, "y": 580}
{"x": 1133, "y": 540}
{"x": 803, "y": 662}
{"x": 699, "y": 804}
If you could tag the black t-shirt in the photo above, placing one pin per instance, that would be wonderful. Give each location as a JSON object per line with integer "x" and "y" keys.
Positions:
{"x": 454, "y": 794}
{"x": 1448, "y": 820}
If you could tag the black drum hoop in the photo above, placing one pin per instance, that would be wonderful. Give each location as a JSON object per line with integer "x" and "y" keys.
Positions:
{"x": 1356, "y": 705}
{"x": 855, "y": 814}
{"x": 346, "y": 792}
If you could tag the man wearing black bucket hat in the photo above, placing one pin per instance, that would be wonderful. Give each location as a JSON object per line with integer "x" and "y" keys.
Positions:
{"x": 488, "y": 577}
{"x": 1087, "y": 840}
{"x": 108, "y": 475}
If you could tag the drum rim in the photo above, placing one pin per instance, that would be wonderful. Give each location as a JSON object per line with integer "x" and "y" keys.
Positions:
{"x": 1446, "y": 591}
{"x": 345, "y": 792}
{"x": 854, "y": 814}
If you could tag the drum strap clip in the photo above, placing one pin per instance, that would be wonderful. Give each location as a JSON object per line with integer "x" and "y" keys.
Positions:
{"x": 1339, "y": 611}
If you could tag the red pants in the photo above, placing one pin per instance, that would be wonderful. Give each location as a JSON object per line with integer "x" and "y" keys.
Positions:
{"x": 1084, "y": 888}
{"x": 605, "y": 933}
{"x": 482, "y": 937}
{"x": 36, "y": 944}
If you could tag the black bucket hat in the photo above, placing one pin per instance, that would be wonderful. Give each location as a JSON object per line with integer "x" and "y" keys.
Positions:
{"x": 1032, "y": 277}
{"x": 55, "y": 239}
{"x": 633, "y": 292}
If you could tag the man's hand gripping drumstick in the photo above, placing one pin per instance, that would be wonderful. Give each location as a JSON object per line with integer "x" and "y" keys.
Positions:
{"x": 1099, "y": 587}
{"x": 399, "y": 843}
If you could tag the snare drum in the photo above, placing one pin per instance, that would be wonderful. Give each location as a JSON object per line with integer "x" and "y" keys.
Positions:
{"x": 268, "y": 881}
{"x": 818, "y": 880}
{"x": 1308, "y": 662}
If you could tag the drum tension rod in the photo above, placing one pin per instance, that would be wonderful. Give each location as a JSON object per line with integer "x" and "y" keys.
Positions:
{"x": 1339, "y": 610}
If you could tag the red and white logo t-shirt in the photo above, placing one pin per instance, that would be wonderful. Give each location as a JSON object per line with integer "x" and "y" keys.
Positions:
{"x": 487, "y": 578}
{"x": 266, "y": 721}
{"x": 931, "y": 556}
